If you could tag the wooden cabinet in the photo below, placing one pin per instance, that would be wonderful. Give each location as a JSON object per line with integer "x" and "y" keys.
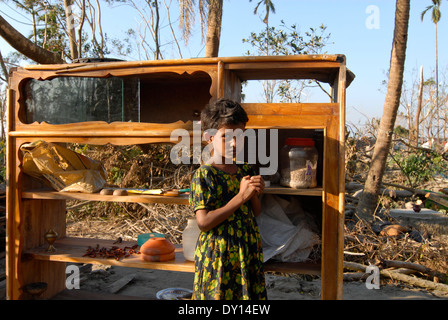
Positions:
{"x": 156, "y": 97}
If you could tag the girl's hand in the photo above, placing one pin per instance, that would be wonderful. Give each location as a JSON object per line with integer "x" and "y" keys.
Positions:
{"x": 258, "y": 183}
{"x": 247, "y": 188}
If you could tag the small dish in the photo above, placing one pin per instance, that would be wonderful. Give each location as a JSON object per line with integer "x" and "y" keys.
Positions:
{"x": 174, "y": 294}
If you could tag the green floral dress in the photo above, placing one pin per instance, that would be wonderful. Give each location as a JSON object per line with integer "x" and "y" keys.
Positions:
{"x": 229, "y": 257}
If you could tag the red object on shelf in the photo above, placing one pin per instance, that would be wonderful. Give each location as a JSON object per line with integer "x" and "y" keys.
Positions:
{"x": 299, "y": 142}
{"x": 157, "y": 249}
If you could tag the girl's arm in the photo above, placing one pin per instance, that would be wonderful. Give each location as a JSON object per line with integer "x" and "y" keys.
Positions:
{"x": 209, "y": 219}
{"x": 258, "y": 183}
{"x": 256, "y": 205}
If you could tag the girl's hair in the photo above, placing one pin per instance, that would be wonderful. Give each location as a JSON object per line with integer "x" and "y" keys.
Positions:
{"x": 222, "y": 112}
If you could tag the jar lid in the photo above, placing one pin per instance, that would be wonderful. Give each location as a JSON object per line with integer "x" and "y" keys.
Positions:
{"x": 299, "y": 142}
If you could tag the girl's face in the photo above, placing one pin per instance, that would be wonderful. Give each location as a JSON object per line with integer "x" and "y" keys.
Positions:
{"x": 228, "y": 142}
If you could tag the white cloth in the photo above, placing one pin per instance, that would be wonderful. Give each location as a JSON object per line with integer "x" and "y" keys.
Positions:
{"x": 286, "y": 230}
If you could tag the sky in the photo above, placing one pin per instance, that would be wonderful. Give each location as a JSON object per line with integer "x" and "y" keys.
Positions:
{"x": 362, "y": 30}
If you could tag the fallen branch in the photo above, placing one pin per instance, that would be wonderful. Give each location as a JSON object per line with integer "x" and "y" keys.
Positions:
{"x": 354, "y": 266}
{"x": 354, "y": 253}
{"x": 436, "y": 198}
{"x": 413, "y": 190}
{"x": 354, "y": 276}
{"x": 414, "y": 266}
{"x": 415, "y": 281}
{"x": 400, "y": 277}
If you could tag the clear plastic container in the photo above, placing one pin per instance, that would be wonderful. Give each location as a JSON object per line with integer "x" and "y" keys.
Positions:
{"x": 298, "y": 163}
{"x": 190, "y": 238}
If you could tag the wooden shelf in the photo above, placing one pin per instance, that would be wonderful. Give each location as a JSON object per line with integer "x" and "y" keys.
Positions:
{"x": 70, "y": 249}
{"x": 31, "y": 213}
{"x": 145, "y": 198}
{"x": 277, "y": 189}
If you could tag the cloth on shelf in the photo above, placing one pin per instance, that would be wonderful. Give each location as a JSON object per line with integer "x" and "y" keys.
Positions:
{"x": 288, "y": 233}
{"x": 61, "y": 168}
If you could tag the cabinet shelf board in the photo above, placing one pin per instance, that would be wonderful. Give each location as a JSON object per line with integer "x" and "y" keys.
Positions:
{"x": 45, "y": 194}
{"x": 277, "y": 189}
{"x": 143, "y": 198}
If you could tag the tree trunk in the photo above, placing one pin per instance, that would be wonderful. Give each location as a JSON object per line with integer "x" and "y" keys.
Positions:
{"x": 437, "y": 88}
{"x": 213, "y": 28}
{"x": 369, "y": 198}
{"x": 25, "y": 46}
{"x": 156, "y": 31}
{"x": 419, "y": 108}
{"x": 71, "y": 29}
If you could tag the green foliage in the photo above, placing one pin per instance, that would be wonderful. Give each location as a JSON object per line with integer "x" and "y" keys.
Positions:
{"x": 420, "y": 167}
{"x": 288, "y": 40}
{"x": 116, "y": 174}
{"x": 435, "y": 13}
{"x": 401, "y": 131}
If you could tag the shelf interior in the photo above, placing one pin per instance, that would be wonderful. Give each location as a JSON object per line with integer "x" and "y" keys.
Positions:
{"x": 72, "y": 249}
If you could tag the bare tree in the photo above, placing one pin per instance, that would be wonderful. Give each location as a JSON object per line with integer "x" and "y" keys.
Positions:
{"x": 71, "y": 29}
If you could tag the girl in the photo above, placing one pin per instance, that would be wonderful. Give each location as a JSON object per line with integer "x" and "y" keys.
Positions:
{"x": 224, "y": 197}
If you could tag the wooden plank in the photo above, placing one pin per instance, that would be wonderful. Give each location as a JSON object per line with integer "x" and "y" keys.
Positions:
{"x": 287, "y": 122}
{"x": 101, "y": 128}
{"x": 144, "y": 198}
{"x": 296, "y": 109}
{"x": 121, "y": 283}
{"x": 179, "y": 62}
{"x": 276, "y": 189}
{"x": 162, "y": 132}
{"x": 343, "y": 83}
{"x": 100, "y": 140}
{"x": 39, "y": 217}
{"x": 331, "y": 224}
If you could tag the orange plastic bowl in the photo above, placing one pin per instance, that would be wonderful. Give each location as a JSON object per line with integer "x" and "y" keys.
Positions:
{"x": 159, "y": 257}
{"x": 157, "y": 246}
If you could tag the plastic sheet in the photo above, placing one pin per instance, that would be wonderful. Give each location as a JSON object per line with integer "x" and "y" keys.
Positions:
{"x": 63, "y": 169}
{"x": 288, "y": 233}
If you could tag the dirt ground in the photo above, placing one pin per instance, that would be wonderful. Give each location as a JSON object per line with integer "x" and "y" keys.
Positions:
{"x": 146, "y": 283}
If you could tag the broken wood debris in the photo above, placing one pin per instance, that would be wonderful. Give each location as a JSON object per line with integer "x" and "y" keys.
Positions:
{"x": 398, "y": 276}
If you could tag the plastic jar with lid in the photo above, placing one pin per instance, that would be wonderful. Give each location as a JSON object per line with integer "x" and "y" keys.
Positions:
{"x": 298, "y": 163}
